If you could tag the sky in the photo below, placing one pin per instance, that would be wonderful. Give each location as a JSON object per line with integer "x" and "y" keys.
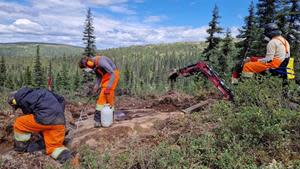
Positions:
{"x": 118, "y": 23}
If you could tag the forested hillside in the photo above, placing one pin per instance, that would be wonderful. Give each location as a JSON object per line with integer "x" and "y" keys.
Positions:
{"x": 143, "y": 68}
{"x": 27, "y": 49}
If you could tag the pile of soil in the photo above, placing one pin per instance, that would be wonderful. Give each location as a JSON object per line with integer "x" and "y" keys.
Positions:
{"x": 76, "y": 108}
{"x": 173, "y": 100}
{"x": 129, "y": 103}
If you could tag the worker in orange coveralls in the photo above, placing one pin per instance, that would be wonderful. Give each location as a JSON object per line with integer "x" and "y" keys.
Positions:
{"x": 278, "y": 49}
{"x": 107, "y": 79}
{"x": 44, "y": 114}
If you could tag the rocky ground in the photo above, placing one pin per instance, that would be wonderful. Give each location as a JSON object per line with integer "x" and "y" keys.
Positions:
{"x": 144, "y": 119}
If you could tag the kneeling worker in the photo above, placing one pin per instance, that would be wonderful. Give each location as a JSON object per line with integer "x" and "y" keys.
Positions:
{"x": 44, "y": 114}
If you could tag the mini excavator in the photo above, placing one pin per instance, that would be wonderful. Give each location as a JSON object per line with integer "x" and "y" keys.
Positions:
{"x": 213, "y": 77}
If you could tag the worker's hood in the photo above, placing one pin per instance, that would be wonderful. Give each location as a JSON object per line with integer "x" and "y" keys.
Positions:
{"x": 21, "y": 93}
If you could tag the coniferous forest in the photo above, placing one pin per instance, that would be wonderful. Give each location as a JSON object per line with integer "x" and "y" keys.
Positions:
{"x": 34, "y": 64}
{"x": 260, "y": 129}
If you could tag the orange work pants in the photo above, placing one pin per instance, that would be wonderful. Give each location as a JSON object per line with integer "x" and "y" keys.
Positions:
{"x": 108, "y": 98}
{"x": 258, "y": 67}
{"x": 54, "y": 135}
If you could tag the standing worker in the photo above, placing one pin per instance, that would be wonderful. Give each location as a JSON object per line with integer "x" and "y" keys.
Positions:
{"x": 278, "y": 49}
{"x": 44, "y": 114}
{"x": 107, "y": 77}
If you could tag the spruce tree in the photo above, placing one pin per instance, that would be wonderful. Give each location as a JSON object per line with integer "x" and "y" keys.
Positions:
{"x": 213, "y": 30}
{"x": 2, "y": 72}
{"x": 38, "y": 75}
{"x": 76, "y": 81}
{"x": 19, "y": 79}
{"x": 294, "y": 34}
{"x": 65, "y": 76}
{"x": 248, "y": 34}
{"x": 58, "y": 82}
{"x": 266, "y": 13}
{"x": 88, "y": 35}
{"x": 294, "y": 25}
{"x": 228, "y": 52}
{"x": 28, "y": 77}
{"x": 282, "y": 16}
{"x": 9, "y": 83}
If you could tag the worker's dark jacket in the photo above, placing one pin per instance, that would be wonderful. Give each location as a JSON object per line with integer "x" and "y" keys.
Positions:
{"x": 47, "y": 107}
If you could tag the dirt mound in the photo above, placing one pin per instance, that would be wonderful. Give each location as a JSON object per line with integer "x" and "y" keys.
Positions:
{"x": 76, "y": 108}
{"x": 127, "y": 103}
{"x": 173, "y": 100}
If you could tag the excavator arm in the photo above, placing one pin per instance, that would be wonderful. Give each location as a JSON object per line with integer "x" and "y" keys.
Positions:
{"x": 213, "y": 77}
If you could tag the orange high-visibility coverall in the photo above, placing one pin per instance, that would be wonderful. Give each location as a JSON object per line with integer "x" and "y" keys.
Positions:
{"x": 108, "y": 73}
{"x": 277, "y": 50}
{"x": 54, "y": 135}
{"x": 108, "y": 98}
{"x": 258, "y": 67}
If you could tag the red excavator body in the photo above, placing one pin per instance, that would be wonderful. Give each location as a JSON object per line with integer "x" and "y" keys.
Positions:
{"x": 213, "y": 77}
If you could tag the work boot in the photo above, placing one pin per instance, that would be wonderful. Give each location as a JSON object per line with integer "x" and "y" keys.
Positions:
{"x": 21, "y": 146}
{"x": 36, "y": 146}
{"x": 68, "y": 156}
{"x": 36, "y": 143}
{"x": 97, "y": 118}
{"x": 64, "y": 156}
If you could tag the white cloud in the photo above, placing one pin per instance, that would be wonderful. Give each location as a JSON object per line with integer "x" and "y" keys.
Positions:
{"x": 122, "y": 9}
{"x": 234, "y": 31}
{"x": 154, "y": 18}
{"x": 107, "y": 2}
{"x": 25, "y": 23}
{"x": 57, "y": 4}
{"x": 137, "y": 34}
{"x": 60, "y": 21}
{"x": 22, "y": 26}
